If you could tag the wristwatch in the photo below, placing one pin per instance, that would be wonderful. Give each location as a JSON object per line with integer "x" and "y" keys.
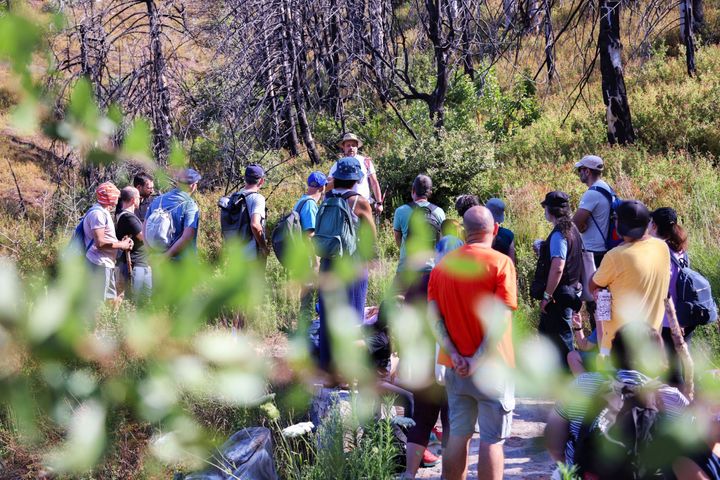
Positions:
{"x": 547, "y": 296}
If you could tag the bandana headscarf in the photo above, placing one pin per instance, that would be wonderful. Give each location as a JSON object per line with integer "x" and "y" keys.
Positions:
{"x": 107, "y": 194}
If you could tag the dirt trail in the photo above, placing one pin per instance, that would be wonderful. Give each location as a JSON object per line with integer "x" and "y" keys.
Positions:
{"x": 525, "y": 457}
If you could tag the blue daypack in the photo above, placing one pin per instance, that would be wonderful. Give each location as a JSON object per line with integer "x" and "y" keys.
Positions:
{"x": 335, "y": 232}
{"x": 694, "y": 305}
{"x": 78, "y": 241}
{"x": 611, "y": 236}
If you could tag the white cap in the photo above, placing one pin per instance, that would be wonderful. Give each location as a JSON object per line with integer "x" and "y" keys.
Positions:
{"x": 593, "y": 162}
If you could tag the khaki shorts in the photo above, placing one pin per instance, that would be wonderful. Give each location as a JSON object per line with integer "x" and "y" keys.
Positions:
{"x": 491, "y": 409}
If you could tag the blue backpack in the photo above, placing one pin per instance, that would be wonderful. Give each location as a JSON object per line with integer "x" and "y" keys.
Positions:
{"x": 335, "y": 232}
{"x": 611, "y": 236}
{"x": 694, "y": 305}
{"x": 78, "y": 242}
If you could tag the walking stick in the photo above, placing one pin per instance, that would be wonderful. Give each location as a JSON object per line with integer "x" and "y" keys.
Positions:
{"x": 129, "y": 267}
{"x": 682, "y": 350}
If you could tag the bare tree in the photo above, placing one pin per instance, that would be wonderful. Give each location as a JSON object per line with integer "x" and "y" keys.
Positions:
{"x": 619, "y": 123}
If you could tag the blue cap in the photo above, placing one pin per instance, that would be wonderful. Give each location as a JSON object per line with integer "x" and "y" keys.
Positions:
{"x": 254, "y": 171}
{"x": 189, "y": 176}
{"x": 317, "y": 180}
{"x": 497, "y": 208}
{"x": 348, "y": 168}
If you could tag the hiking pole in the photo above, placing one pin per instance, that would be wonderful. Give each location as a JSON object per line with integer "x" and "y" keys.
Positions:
{"x": 129, "y": 267}
{"x": 682, "y": 350}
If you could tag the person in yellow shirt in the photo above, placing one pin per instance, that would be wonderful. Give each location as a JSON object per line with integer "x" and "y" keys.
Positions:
{"x": 636, "y": 273}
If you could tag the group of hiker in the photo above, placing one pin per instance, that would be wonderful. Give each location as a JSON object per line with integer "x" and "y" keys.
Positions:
{"x": 116, "y": 246}
{"x": 616, "y": 257}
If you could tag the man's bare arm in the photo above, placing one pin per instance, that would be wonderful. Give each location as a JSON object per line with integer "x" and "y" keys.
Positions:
{"x": 580, "y": 219}
{"x": 179, "y": 246}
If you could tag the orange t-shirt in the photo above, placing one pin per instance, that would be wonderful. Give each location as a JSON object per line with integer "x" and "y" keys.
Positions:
{"x": 461, "y": 285}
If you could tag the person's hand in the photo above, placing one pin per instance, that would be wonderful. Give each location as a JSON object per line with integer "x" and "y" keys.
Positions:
{"x": 576, "y": 320}
{"x": 126, "y": 244}
{"x": 543, "y": 304}
{"x": 472, "y": 365}
{"x": 460, "y": 364}
{"x": 378, "y": 207}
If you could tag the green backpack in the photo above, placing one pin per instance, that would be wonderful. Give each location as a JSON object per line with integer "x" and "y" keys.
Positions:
{"x": 335, "y": 230}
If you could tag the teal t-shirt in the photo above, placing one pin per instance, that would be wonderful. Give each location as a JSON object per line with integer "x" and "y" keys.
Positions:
{"x": 401, "y": 223}
{"x": 308, "y": 212}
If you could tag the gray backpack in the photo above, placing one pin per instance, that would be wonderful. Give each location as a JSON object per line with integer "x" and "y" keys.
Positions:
{"x": 288, "y": 233}
{"x": 335, "y": 230}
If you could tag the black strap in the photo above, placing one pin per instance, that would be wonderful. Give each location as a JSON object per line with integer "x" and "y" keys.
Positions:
{"x": 431, "y": 206}
{"x": 301, "y": 205}
{"x": 608, "y": 197}
{"x": 349, "y": 194}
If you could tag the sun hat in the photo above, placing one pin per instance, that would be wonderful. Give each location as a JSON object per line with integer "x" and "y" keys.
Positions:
{"x": 350, "y": 136}
{"x": 348, "y": 168}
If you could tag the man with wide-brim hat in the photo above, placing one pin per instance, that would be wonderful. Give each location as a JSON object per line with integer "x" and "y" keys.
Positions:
{"x": 350, "y": 144}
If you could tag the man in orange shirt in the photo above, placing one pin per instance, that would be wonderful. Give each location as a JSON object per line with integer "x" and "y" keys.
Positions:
{"x": 472, "y": 292}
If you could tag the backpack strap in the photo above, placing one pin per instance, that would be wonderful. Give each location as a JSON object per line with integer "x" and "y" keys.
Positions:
{"x": 608, "y": 196}
{"x": 302, "y": 204}
{"x": 92, "y": 238}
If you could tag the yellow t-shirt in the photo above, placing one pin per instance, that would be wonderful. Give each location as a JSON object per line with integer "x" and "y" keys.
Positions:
{"x": 638, "y": 276}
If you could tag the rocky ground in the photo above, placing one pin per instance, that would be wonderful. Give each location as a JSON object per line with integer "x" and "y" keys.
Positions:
{"x": 525, "y": 456}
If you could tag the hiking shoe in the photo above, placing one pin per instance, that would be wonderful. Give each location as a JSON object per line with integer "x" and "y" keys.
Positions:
{"x": 429, "y": 459}
{"x": 435, "y": 436}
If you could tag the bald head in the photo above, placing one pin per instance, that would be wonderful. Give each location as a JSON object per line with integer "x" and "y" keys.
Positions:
{"x": 128, "y": 195}
{"x": 478, "y": 221}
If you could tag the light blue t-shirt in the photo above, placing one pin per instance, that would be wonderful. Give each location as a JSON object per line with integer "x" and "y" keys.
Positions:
{"x": 558, "y": 246}
{"x": 401, "y": 223}
{"x": 183, "y": 210}
{"x": 308, "y": 212}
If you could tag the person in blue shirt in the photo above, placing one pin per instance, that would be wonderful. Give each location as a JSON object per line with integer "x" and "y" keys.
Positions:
{"x": 421, "y": 191}
{"x": 184, "y": 212}
{"x": 557, "y": 280}
{"x": 307, "y": 206}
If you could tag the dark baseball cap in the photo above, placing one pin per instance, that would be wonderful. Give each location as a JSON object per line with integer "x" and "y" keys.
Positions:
{"x": 556, "y": 199}
{"x": 664, "y": 217}
{"x": 254, "y": 171}
{"x": 633, "y": 218}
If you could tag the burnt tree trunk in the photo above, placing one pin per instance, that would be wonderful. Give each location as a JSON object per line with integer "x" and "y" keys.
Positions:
{"x": 436, "y": 101}
{"x": 687, "y": 33}
{"x": 619, "y": 123}
{"x": 293, "y": 143}
{"x": 698, "y": 16}
{"x": 162, "y": 130}
{"x": 377, "y": 41}
{"x": 549, "y": 42}
{"x": 297, "y": 71}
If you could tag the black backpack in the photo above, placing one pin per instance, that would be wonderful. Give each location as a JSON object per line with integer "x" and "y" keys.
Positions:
{"x": 288, "y": 233}
{"x": 623, "y": 440}
{"x": 432, "y": 222}
{"x": 235, "y": 217}
{"x": 695, "y": 305}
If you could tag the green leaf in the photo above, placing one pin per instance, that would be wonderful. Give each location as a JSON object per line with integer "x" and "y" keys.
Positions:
{"x": 137, "y": 140}
{"x": 82, "y": 104}
{"x": 19, "y": 38}
{"x": 25, "y": 116}
{"x": 177, "y": 157}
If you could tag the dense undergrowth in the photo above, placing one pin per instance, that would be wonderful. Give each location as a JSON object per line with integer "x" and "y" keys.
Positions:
{"x": 504, "y": 137}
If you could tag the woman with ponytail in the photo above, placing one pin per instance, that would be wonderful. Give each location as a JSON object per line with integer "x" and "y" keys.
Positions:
{"x": 558, "y": 275}
{"x": 664, "y": 225}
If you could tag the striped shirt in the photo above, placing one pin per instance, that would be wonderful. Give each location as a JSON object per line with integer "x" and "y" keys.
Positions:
{"x": 585, "y": 387}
